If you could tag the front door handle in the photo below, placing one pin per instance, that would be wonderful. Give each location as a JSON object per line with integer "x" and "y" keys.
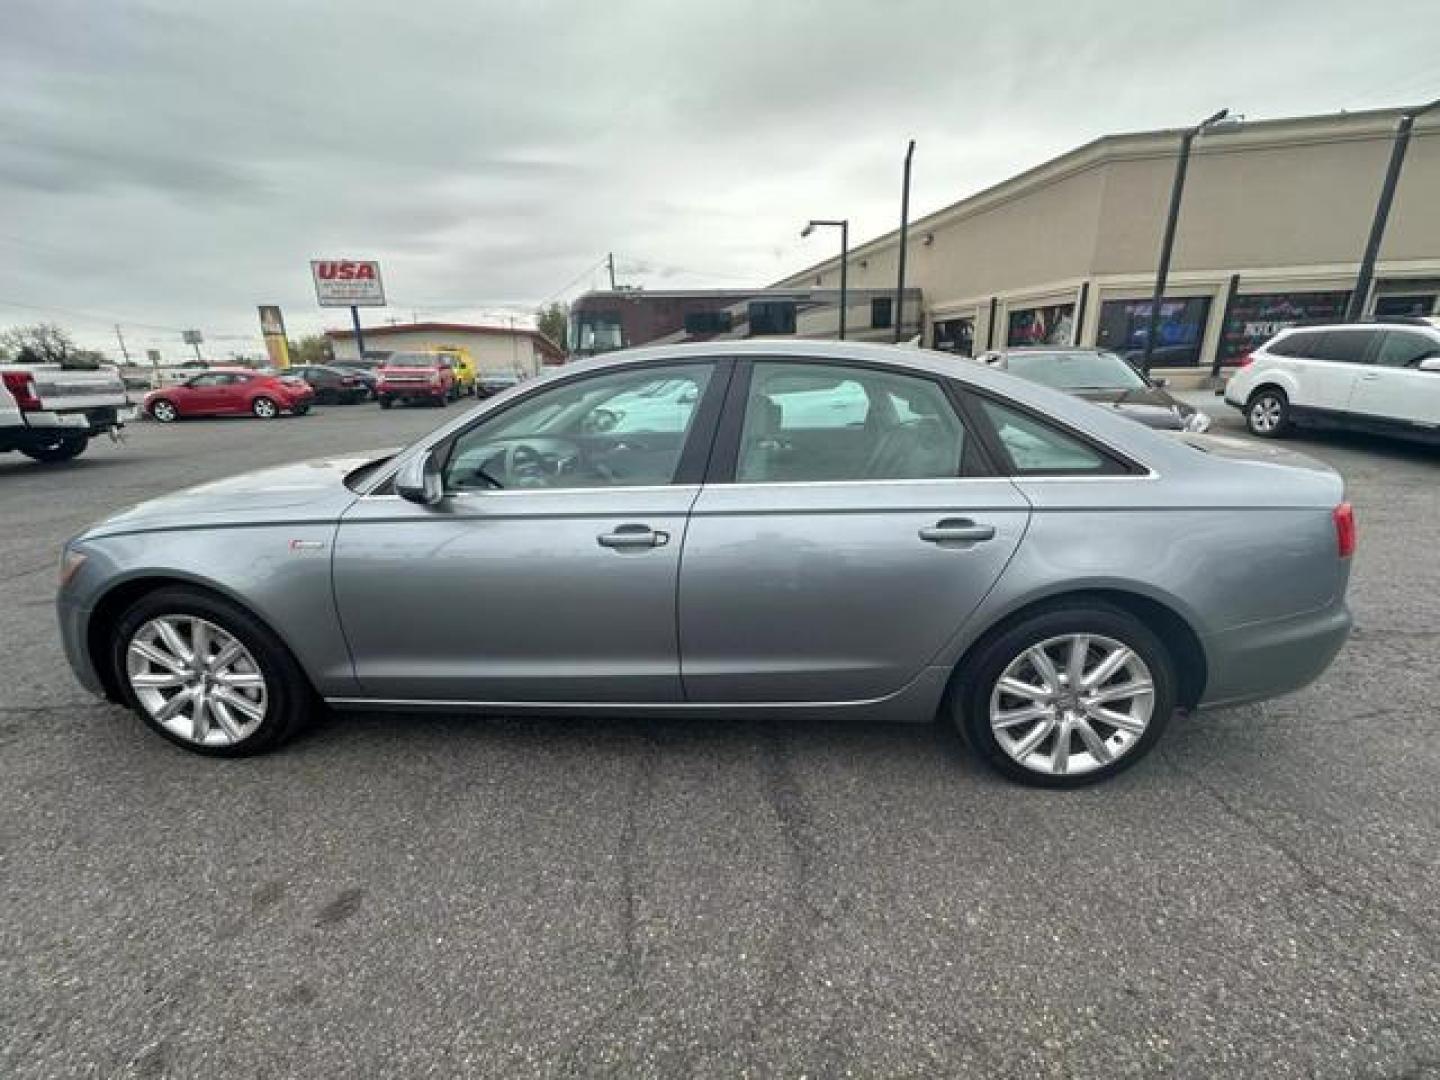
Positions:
{"x": 1371, "y": 376}
{"x": 634, "y": 536}
{"x": 957, "y": 531}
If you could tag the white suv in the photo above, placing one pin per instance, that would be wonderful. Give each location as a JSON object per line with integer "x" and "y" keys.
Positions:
{"x": 1380, "y": 377}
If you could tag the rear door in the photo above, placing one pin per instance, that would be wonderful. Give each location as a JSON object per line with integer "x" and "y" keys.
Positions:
{"x": 1327, "y": 376}
{"x": 1394, "y": 387}
{"x": 848, "y": 529}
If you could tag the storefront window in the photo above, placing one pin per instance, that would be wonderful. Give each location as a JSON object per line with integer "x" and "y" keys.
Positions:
{"x": 1124, "y": 325}
{"x": 1052, "y": 325}
{"x": 955, "y": 336}
{"x": 1402, "y": 307}
{"x": 1254, "y": 318}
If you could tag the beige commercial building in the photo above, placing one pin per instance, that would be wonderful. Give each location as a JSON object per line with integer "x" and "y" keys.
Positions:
{"x": 496, "y": 350}
{"x": 1274, "y": 218}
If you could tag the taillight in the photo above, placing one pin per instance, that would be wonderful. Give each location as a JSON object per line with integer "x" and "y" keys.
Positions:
{"x": 22, "y": 386}
{"x": 1345, "y": 535}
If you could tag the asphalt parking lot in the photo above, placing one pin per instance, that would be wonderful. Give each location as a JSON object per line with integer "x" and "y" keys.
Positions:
{"x": 453, "y": 896}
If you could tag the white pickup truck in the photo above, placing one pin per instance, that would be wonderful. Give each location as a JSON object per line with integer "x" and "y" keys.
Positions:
{"x": 50, "y": 413}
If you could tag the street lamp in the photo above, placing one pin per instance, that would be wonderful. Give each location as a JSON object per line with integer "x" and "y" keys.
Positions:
{"x": 1167, "y": 244}
{"x": 1382, "y": 210}
{"x": 844, "y": 227}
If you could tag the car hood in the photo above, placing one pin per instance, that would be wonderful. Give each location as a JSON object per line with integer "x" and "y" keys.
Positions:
{"x": 310, "y": 491}
{"x": 1150, "y": 405}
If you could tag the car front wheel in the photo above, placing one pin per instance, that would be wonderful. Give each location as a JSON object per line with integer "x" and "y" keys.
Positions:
{"x": 206, "y": 675}
{"x": 1268, "y": 414}
{"x": 1068, "y": 696}
{"x": 264, "y": 408}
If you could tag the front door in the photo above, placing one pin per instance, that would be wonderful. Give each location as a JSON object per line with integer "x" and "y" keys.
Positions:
{"x": 1394, "y": 387}
{"x": 549, "y": 572}
{"x": 847, "y": 544}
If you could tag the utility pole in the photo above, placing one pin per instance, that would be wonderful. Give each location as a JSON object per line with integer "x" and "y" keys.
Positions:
{"x": 610, "y": 264}
{"x": 121, "y": 338}
{"x": 1167, "y": 243}
{"x": 1366, "y": 276}
{"x": 904, "y": 230}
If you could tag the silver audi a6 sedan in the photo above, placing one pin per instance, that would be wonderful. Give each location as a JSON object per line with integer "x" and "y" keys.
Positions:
{"x": 746, "y": 528}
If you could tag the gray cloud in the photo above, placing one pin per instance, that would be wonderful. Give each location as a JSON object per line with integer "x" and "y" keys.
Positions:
{"x": 176, "y": 164}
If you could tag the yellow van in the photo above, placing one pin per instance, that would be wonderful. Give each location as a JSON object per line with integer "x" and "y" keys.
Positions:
{"x": 463, "y": 364}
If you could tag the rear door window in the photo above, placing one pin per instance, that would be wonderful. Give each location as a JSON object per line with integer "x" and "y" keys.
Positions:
{"x": 1035, "y": 448}
{"x": 1345, "y": 346}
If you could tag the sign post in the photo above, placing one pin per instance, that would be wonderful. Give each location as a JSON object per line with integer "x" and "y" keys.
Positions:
{"x": 272, "y": 327}
{"x": 193, "y": 338}
{"x": 352, "y": 283}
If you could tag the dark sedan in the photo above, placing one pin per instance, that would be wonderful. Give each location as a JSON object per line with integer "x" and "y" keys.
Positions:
{"x": 332, "y": 385}
{"x": 1104, "y": 378}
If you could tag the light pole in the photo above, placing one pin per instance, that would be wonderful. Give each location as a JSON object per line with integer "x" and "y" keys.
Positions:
{"x": 844, "y": 227}
{"x": 1167, "y": 244}
{"x": 1382, "y": 210}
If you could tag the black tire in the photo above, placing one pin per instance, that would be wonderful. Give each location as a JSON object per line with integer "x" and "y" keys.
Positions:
{"x": 265, "y": 408}
{"x": 985, "y": 666}
{"x": 59, "y": 448}
{"x": 1267, "y": 413}
{"x": 385, "y": 401}
{"x": 164, "y": 411}
{"x": 300, "y": 410}
{"x": 442, "y": 401}
{"x": 290, "y": 698}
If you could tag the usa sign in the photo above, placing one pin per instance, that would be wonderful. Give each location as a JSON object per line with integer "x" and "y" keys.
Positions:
{"x": 347, "y": 283}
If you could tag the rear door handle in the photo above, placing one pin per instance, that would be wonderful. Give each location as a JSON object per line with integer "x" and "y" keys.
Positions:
{"x": 634, "y": 536}
{"x": 957, "y": 531}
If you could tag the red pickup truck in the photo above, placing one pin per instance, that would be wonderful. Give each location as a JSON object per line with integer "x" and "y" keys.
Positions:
{"x": 416, "y": 377}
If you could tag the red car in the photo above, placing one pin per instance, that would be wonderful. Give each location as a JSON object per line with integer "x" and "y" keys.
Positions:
{"x": 416, "y": 377}
{"x": 231, "y": 392}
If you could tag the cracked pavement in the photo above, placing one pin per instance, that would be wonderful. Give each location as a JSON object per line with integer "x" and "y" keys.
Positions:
{"x": 453, "y": 896}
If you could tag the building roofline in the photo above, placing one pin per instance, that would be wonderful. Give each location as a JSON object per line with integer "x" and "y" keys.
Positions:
{"x": 1130, "y": 145}
{"x": 450, "y": 327}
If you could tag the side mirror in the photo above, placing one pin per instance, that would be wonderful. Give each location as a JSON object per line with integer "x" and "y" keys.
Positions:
{"x": 1160, "y": 382}
{"x": 419, "y": 480}
{"x": 1430, "y": 363}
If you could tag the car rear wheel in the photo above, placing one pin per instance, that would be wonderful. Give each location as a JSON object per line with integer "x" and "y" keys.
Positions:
{"x": 300, "y": 410}
{"x": 265, "y": 408}
{"x": 1068, "y": 696}
{"x": 207, "y": 675}
{"x": 164, "y": 411}
{"x": 58, "y": 448}
{"x": 385, "y": 401}
{"x": 1268, "y": 414}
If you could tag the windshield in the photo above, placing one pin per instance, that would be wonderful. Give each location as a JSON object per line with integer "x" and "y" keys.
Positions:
{"x": 1076, "y": 370}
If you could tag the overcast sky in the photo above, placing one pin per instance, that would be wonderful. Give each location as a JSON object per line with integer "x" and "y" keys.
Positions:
{"x": 170, "y": 165}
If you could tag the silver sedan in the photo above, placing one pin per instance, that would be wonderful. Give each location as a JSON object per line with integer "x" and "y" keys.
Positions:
{"x": 754, "y": 528}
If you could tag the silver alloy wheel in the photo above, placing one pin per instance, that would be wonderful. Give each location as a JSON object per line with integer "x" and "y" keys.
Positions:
{"x": 264, "y": 408}
{"x": 196, "y": 680}
{"x": 1072, "y": 704}
{"x": 1265, "y": 413}
{"x": 163, "y": 411}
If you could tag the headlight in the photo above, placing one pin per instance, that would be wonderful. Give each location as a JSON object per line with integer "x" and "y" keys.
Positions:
{"x": 1197, "y": 422}
{"x": 70, "y": 563}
